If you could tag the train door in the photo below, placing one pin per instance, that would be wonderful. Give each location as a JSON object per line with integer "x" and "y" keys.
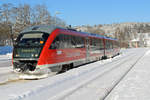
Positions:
{"x": 87, "y": 49}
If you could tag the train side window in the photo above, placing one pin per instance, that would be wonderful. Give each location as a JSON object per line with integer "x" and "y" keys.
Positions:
{"x": 73, "y": 41}
{"x": 92, "y": 44}
{"x": 97, "y": 44}
{"x": 77, "y": 42}
{"x": 80, "y": 42}
{"x": 58, "y": 42}
{"x": 67, "y": 41}
{"x": 112, "y": 45}
{"x": 55, "y": 43}
{"x": 101, "y": 44}
{"x": 107, "y": 44}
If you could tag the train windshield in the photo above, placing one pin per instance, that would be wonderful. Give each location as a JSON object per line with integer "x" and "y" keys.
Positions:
{"x": 32, "y": 39}
{"x": 29, "y": 45}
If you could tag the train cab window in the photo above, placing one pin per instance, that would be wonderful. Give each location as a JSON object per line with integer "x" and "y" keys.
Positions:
{"x": 32, "y": 39}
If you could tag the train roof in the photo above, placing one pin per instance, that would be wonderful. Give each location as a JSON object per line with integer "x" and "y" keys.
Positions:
{"x": 50, "y": 28}
{"x": 40, "y": 28}
{"x": 110, "y": 38}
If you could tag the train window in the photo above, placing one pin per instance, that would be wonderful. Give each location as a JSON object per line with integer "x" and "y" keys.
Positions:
{"x": 79, "y": 42}
{"x": 32, "y": 39}
{"x": 101, "y": 44}
{"x": 55, "y": 44}
{"x": 111, "y": 44}
{"x": 108, "y": 44}
{"x": 92, "y": 45}
{"x": 96, "y": 45}
{"x": 115, "y": 44}
{"x": 63, "y": 41}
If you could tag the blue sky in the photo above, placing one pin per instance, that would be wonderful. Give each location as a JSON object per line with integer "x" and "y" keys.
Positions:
{"x": 91, "y": 12}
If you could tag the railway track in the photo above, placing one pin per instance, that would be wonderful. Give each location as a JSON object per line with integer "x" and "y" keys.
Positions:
{"x": 121, "y": 78}
{"x": 119, "y": 64}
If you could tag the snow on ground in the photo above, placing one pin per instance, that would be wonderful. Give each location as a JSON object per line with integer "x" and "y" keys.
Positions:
{"x": 5, "y": 67}
{"x": 101, "y": 86}
{"x": 74, "y": 84}
{"x": 95, "y": 81}
{"x": 8, "y": 56}
{"x": 135, "y": 85}
{"x": 6, "y": 63}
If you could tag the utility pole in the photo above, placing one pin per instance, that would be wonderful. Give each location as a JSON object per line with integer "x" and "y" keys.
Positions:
{"x": 56, "y": 13}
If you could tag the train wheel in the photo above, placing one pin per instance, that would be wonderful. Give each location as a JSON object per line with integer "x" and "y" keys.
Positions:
{"x": 66, "y": 67}
{"x": 104, "y": 57}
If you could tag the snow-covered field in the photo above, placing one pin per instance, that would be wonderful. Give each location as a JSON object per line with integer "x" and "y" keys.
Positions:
{"x": 125, "y": 77}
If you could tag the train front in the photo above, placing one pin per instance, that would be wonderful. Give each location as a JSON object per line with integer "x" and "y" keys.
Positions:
{"x": 27, "y": 49}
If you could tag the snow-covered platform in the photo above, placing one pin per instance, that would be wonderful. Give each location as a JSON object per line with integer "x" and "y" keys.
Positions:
{"x": 125, "y": 77}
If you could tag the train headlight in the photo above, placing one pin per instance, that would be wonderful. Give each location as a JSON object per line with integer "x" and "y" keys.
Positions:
{"x": 32, "y": 55}
{"x": 17, "y": 55}
{"x": 36, "y": 55}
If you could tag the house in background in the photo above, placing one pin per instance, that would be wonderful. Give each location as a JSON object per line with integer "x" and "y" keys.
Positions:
{"x": 146, "y": 39}
{"x": 134, "y": 43}
{"x": 142, "y": 40}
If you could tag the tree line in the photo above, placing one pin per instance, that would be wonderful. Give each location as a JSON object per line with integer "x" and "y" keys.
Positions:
{"x": 13, "y": 19}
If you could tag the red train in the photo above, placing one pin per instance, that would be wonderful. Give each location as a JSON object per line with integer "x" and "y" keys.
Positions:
{"x": 59, "y": 49}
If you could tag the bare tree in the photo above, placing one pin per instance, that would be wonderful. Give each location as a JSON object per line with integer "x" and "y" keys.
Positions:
{"x": 41, "y": 15}
{"x": 6, "y": 12}
{"x": 19, "y": 17}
